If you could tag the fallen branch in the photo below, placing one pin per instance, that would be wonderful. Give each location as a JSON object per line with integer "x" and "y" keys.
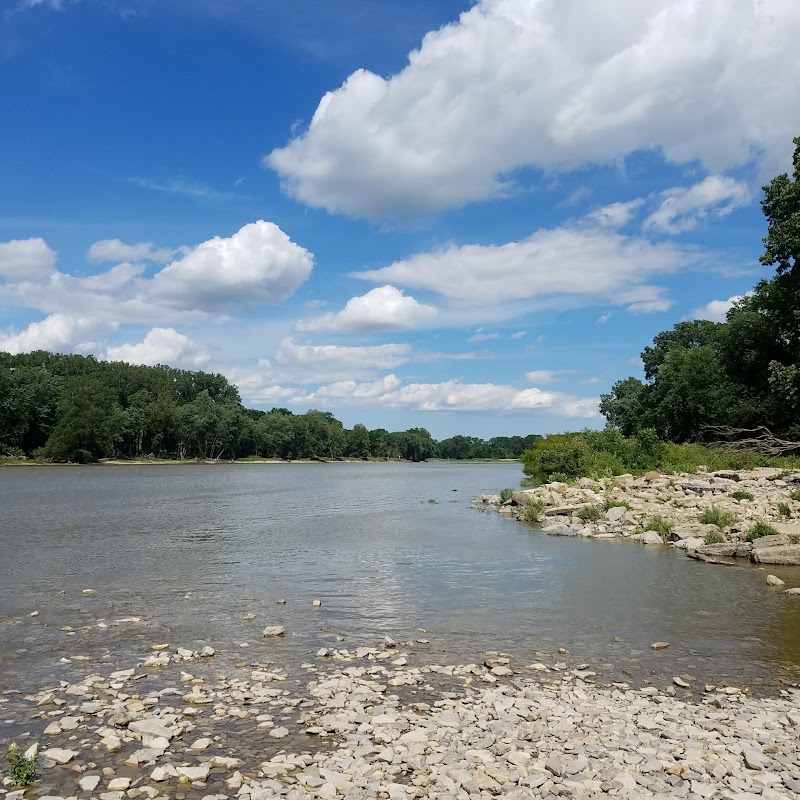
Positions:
{"x": 760, "y": 440}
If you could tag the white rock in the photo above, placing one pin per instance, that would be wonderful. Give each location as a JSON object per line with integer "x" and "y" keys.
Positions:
{"x": 190, "y": 774}
{"x": 59, "y": 755}
{"x": 774, "y": 580}
{"x": 89, "y": 783}
{"x": 274, "y": 630}
{"x": 278, "y": 733}
{"x": 201, "y": 744}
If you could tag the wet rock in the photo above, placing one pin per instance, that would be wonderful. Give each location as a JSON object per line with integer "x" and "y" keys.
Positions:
{"x": 59, "y": 755}
{"x": 274, "y": 630}
{"x": 772, "y": 580}
{"x": 89, "y": 783}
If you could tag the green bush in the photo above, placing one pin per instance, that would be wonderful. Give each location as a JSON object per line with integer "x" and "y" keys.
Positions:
{"x": 589, "y": 514}
{"x": 531, "y": 509}
{"x": 761, "y": 529}
{"x": 784, "y": 510}
{"x": 714, "y": 537}
{"x": 794, "y": 494}
{"x": 717, "y": 516}
{"x": 617, "y": 504}
{"x": 505, "y": 495}
{"x": 21, "y": 770}
{"x": 739, "y": 494}
{"x": 560, "y": 477}
{"x": 663, "y": 527}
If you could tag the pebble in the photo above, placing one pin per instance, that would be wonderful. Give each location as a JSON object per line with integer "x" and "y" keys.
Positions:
{"x": 659, "y": 645}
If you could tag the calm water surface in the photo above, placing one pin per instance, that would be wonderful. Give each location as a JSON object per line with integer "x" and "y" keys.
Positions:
{"x": 190, "y": 550}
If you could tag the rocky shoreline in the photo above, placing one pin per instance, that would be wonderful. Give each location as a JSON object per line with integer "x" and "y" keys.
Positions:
{"x": 668, "y": 510}
{"x": 365, "y": 723}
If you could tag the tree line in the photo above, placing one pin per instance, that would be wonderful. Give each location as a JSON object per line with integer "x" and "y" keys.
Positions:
{"x": 76, "y": 408}
{"x": 743, "y": 373}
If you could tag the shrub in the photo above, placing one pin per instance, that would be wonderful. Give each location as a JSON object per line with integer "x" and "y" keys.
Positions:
{"x": 21, "y": 769}
{"x": 784, "y": 510}
{"x": 560, "y": 477}
{"x": 761, "y": 529}
{"x": 714, "y": 537}
{"x": 505, "y": 495}
{"x": 617, "y": 504}
{"x": 794, "y": 494}
{"x": 717, "y": 516}
{"x": 740, "y": 494}
{"x": 589, "y": 514}
{"x": 532, "y": 509}
{"x": 663, "y": 527}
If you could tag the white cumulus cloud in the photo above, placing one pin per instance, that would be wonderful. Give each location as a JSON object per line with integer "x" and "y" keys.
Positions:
{"x": 258, "y": 264}
{"x": 716, "y": 310}
{"x": 385, "y": 308}
{"x": 554, "y": 85}
{"x": 59, "y": 333}
{"x": 26, "y": 260}
{"x": 616, "y": 215}
{"x": 684, "y": 208}
{"x": 578, "y": 264}
{"x": 161, "y": 346}
{"x": 116, "y": 250}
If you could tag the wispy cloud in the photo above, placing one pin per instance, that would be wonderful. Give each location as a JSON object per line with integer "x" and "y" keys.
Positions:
{"x": 182, "y": 186}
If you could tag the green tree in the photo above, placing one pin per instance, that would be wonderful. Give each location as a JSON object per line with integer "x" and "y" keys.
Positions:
{"x": 781, "y": 206}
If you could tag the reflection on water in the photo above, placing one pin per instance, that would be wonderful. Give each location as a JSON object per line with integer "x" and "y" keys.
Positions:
{"x": 191, "y": 550}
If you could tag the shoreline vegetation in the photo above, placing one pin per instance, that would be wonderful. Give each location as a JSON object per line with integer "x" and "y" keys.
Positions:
{"x": 144, "y": 462}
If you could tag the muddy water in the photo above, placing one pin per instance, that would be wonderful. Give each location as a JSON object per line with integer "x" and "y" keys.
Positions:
{"x": 182, "y": 554}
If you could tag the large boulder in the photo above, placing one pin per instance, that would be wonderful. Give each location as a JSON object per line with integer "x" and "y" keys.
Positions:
{"x": 786, "y": 554}
{"x": 787, "y": 535}
{"x": 727, "y": 549}
{"x": 520, "y": 498}
{"x": 648, "y": 537}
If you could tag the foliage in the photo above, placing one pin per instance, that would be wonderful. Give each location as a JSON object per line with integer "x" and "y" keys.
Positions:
{"x": 78, "y": 409}
{"x": 714, "y": 537}
{"x": 761, "y": 529}
{"x": 21, "y": 769}
{"x": 505, "y": 495}
{"x": 714, "y": 515}
{"x": 531, "y": 509}
{"x": 740, "y": 494}
{"x": 742, "y": 373}
{"x": 794, "y": 494}
{"x": 784, "y": 510}
{"x": 663, "y": 527}
{"x": 610, "y": 503}
{"x": 589, "y": 514}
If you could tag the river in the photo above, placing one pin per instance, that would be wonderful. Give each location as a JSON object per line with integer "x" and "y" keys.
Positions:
{"x": 181, "y": 554}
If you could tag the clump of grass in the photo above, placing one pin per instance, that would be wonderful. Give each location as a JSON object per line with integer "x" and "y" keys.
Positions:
{"x": 531, "y": 509}
{"x": 794, "y": 494}
{"x": 740, "y": 494}
{"x": 717, "y": 516}
{"x": 589, "y": 514}
{"x": 761, "y": 529}
{"x": 784, "y": 510}
{"x": 617, "y": 504}
{"x": 505, "y": 495}
{"x": 431, "y": 501}
{"x": 663, "y": 527}
{"x": 21, "y": 769}
{"x": 714, "y": 537}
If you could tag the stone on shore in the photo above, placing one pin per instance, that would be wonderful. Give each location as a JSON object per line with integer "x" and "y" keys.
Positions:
{"x": 59, "y": 755}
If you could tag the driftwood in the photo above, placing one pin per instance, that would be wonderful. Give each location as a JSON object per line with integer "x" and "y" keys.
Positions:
{"x": 759, "y": 440}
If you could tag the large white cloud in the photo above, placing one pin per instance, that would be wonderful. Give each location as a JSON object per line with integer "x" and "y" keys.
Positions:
{"x": 716, "y": 310}
{"x": 161, "y": 346}
{"x": 116, "y": 250}
{"x": 258, "y": 264}
{"x": 451, "y": 395}
{"x": 23, "y": 260}
{"x": 580, "y": 263}
{"x": 682, "y": 209}
{"x": 59, "y": 333}
{"x": 383, "y": 309}
{"x": 308, "y": 363}
{"x": 554, "y": 84}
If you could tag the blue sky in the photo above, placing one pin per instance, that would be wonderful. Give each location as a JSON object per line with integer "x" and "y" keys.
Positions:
{"x": 466, "y": 216}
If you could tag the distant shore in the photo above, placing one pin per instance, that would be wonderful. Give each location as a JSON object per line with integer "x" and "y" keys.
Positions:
{"x": 145, "y": 462}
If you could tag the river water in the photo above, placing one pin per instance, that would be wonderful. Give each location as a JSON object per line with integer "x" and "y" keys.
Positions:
{"x": 181, "y": 554}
